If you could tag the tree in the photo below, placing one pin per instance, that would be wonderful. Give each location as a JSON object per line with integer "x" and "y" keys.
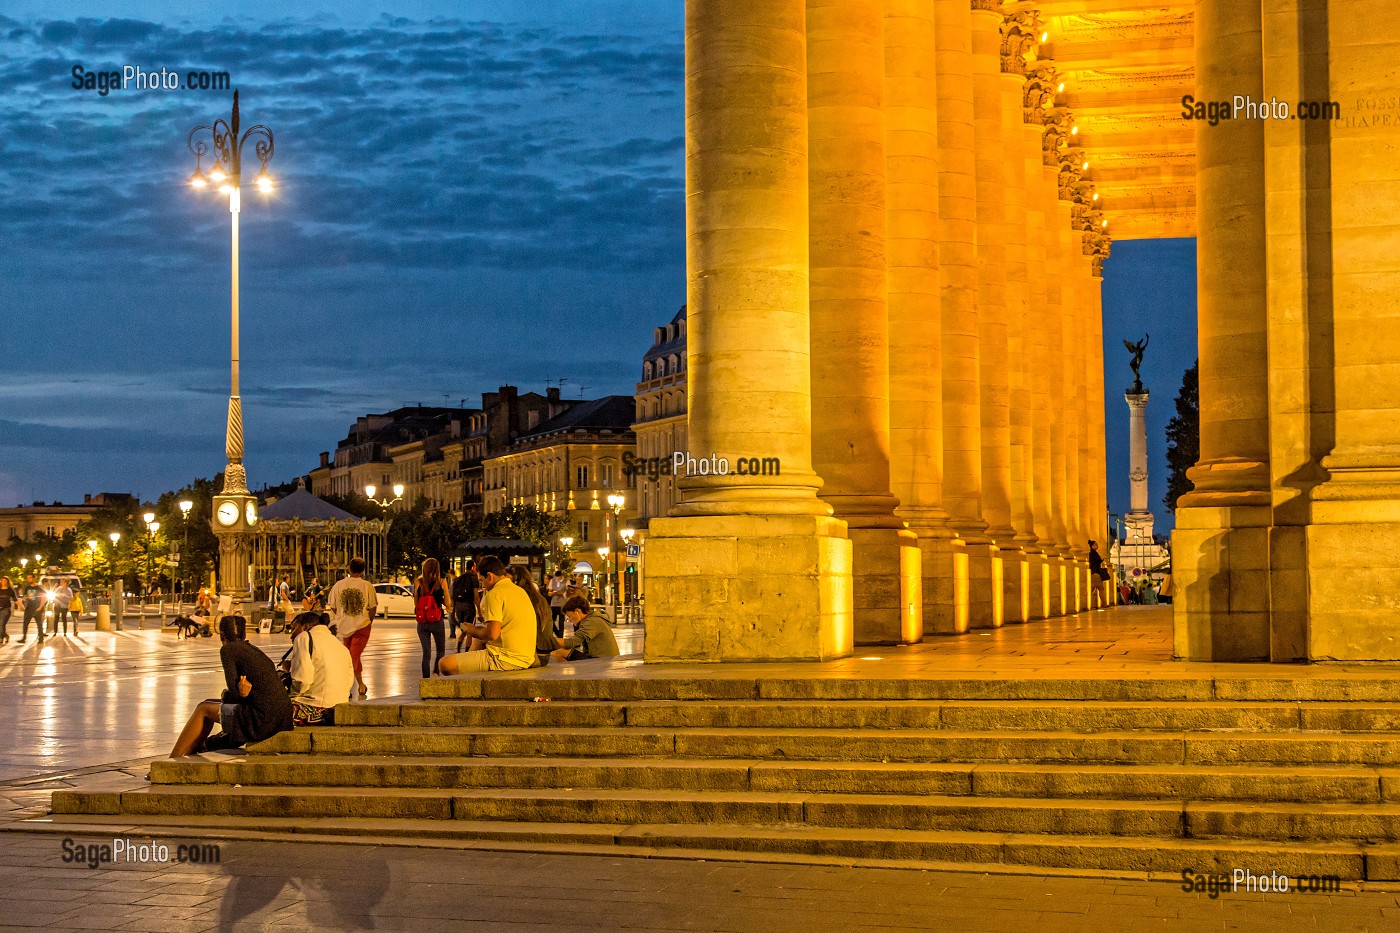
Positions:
{"x": 1184, "y": 437}
{"x": 523, "y": 522}
{"x": 416, "y": 534}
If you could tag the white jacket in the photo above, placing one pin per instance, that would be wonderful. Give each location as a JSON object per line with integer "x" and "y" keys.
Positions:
{"x": 322, "y": 673}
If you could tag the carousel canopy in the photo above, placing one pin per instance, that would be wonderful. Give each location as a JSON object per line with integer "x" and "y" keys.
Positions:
{"x": 303, "y": 505}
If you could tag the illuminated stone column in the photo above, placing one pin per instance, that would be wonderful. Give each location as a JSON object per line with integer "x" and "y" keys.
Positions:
{"x": 1096, "y": 512}
{"x": 1072, "y": 359}
{"x": 1053, "y": 322}
{"x": 991, "y": 292}
{"x": 750, "y": 567}
{"x": 974, "y": 551}
{"x": 1220, "y": 547}
{"x": 916, "y": 365}
{"x": 850, "y": 324}
{"x": 1038, "y": 91}
{"x": 1353, "y": 544}
{"x": 1016, "y": 565}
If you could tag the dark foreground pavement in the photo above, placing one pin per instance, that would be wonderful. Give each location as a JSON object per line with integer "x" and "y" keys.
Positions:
{"x": 295, "y": 886}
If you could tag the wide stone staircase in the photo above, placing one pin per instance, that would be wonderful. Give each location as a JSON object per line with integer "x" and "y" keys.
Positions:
{"x": 1297, "y": 775}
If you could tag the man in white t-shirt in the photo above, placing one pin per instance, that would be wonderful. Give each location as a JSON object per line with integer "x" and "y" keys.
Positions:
{"x": 508, "y": 630}
{"x": 352, "y": 606}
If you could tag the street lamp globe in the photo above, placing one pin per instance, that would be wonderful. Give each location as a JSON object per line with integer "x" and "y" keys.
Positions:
{"x": 92, "y": 545}
{"x": 617, "y": 501}
{"x": 115, "y": 536}
{"x": 567, "y": 542}
{"x": 148, "y": 517}
{"x": 370, "y": 490}
{"x": 154, "y": 526}
{"x": 398, "y": 490}
{"x": 185, "y": 506}
{"x": 627, "y": 534}
{"x": 603, "y": 553}
{"x": 24, "y": 562}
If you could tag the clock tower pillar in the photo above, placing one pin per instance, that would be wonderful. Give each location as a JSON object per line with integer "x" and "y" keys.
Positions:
{"x": 235, "y": 513}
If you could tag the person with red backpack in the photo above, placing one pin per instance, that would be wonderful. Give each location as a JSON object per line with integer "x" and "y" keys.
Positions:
{"x": 429, "y": 600}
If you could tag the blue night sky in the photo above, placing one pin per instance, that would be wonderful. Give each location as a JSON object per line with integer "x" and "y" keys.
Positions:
{"x": 471, "y": 193}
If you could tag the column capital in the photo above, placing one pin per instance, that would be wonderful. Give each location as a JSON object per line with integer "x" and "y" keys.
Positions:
{"x": 1020, "y": 40}
{"x": 988, "y": 6}
{"x": 1038, "y": 94}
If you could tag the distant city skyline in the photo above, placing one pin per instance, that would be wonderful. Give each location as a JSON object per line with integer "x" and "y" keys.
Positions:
{"x": 470, "y": 195}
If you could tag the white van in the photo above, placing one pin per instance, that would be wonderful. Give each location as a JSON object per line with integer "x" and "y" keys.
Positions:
{"x": 50, "y": 581}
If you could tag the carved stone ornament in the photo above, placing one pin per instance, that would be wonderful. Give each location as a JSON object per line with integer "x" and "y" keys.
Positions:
{"x": 1038, "y": 96}
{"x": 1020, "y": 41}
{"x": 991, "y": 6}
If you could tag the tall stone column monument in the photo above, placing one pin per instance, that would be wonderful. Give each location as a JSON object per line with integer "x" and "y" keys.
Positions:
{"x": 1139, "y": 518}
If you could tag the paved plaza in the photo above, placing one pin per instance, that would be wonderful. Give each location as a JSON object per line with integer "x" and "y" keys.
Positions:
{"x": 92, "y": 710}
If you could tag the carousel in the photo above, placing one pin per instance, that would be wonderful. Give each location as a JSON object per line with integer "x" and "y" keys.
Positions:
{"x": 307, "y": 538}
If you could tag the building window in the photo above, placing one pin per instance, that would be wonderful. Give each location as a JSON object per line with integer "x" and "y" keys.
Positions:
{"x": 582, "y": 531}
{"x": 607, "y": 475}
{"x": 582, "y": 475}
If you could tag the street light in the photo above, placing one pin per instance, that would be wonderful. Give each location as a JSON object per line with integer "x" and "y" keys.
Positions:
{"x": 152, "y": 526}
{"x": 115, "y": 536}
{"x": 384, "y": 503}
{"x": 626, "y": 535}
{"x": 567, "y": 544}
{"x": 616, "y": 502}
{"x": 225, "y": 146}
{"x": 185, "y": 506}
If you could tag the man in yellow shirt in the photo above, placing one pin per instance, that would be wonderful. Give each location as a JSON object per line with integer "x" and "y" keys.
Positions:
{"x": 507, "y": 631}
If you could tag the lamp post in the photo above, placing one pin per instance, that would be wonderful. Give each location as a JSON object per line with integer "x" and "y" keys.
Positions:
{"x": 185, "y": 506}
{"x": 626, "y": 535}
{"x": 234, "y": 508}
{"x": 603, "y": 556}
{"x": 152, "y": 526}
{"x": 384, "y": 503}
{"x": 567, "y": 544}
{"x": 616, "y": 502}
{"x": 115, "y": 536}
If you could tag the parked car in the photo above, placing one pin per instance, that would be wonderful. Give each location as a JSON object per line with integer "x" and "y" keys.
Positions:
{"x": 395, "y": 600}
{"x": 50, "y": 582}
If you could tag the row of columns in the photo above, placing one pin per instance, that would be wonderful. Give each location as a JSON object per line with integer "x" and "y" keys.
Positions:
{"x": 893, "y": 285}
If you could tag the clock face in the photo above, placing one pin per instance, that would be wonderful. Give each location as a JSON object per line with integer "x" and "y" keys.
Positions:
{"x": 228, "y": 513}
{"x": 250, "y": 511}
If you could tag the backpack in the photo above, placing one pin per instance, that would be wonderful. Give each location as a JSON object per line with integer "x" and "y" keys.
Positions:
{"x": 426, "y": 609}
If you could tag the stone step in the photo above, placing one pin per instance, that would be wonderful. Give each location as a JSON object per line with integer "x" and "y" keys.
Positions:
{"x": 1202, "y": 748}
{"x": 1379, "y": 686}
{"x": 1003, "y": 715}
{"x": 991, "y": 852}
{"x": 1354, "y": 784}
{"x": 1084, "y": 817}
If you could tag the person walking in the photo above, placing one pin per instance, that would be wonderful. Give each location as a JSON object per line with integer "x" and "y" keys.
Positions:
{"x": 429, "y": 599}
{"x": 62, "y": 599}
{"x": 556, "y": 601}
{"x": 9, "y": 598}
{"x": 353, "y": 606}
{"x": 464, "y": 597}
{"x": 33, "y": 597}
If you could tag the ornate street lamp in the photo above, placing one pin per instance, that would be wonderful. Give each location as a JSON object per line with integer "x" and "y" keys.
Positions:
{"x": 185, "y": 506}
{"x": 152, "y": 526}
{"x": 616, "y": 502}
{"x": 567, "y": 545}
{"x": 384, "y": 503}
{"x": 115, "y": 536}
{"x": 235, "y": 509}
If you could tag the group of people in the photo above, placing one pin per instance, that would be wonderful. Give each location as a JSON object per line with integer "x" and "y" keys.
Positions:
{"x": 34, "y": 600}
{"x": 502, "y": 622}
{"x": 499, "y": 617}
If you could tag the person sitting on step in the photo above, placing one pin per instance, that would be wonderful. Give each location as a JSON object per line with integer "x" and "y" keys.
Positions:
{"x": 506, "y": 636}
{"x": 322, "y": 672}
{"x": 592, "y": 637}
{"x": 254, "y": 707}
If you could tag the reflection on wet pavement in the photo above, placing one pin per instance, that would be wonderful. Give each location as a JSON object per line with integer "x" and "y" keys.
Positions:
{"x": 101, "y": 697}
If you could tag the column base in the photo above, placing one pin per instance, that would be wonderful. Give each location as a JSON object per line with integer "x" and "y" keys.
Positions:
{"x": 887, "y": 586}
{"x": 1220, "y": 584}
{"x": 1059, "y": 585}
{"x": 939, "y": 585}
{"x": 985, "y": 606}
{"x": 1016, "y": 586}
{"x": 1353, "y": 608}
{"x": 1038, "y": 585}
{"x": 748, "y": 588}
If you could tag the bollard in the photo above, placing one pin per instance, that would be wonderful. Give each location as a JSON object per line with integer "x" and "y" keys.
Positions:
{"x": 104, "y": 618}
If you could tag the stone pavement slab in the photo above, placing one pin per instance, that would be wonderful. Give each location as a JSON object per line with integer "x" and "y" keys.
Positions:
{"x": 258, "y": 885}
